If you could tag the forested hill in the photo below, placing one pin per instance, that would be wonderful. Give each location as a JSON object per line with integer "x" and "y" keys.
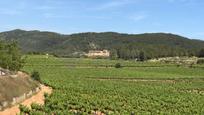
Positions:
{"x": 124, "y": 45}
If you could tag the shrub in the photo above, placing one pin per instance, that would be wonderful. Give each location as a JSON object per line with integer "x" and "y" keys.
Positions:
{"x": 142, "y": 56}
{"x": 118, "y": 65}
{"x": 37, "y": 107}
{"x": 201, "y": 53}
{"x": 36, "y": 76}
{"x": 200, "y": 61}
{"x": 46, "y": 95}
{"x": 24, "y": 110}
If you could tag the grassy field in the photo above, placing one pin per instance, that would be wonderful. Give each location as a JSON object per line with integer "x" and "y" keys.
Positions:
{"x": 94, "y": 85}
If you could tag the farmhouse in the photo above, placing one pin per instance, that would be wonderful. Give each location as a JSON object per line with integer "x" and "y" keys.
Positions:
{"x": 98, "y": 53}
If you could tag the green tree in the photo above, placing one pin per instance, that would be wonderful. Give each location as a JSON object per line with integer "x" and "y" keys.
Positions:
{"x": 142, "y": 56}
{"x": 118, "y": 65}
{"x": 10, "y": 56}
{"x": 36, "y": 76}
{"x": 113, "y": 54}
{"x": 201, "y": 53}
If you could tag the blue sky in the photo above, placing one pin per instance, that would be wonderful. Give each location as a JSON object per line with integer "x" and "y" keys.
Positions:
{"x": 183, "y": 17}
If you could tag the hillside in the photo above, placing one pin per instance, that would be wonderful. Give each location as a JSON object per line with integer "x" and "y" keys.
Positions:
{"x": 124, "y": 45}
{"x": 13, "y": 88}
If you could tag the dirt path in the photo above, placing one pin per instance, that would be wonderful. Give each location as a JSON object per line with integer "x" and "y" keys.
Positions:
{"x": 38, "y": 98}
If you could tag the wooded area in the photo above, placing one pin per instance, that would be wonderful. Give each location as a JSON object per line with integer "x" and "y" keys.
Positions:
{"x": 123, "y": 46}
{"x": 10, "y": 56}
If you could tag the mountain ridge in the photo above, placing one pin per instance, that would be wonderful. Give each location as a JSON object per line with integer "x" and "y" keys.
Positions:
{"x": 67, "y": 45}
{"x": 43, "y": 31}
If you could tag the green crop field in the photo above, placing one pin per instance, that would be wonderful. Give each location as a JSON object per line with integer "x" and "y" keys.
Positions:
{"x": 85, "y": 86}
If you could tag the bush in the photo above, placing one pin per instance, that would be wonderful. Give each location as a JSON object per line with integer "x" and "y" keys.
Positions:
{"x": 24, "y": 109}
{"x": 37, "y": 107}
{"x": 142, "y": 56}
{"x": 118, "y": 65}
{"x": 46, "y": 95}
{"x": 201, "y": 53}
{"x": 200, "y": 61}
{"x": 36, "y": 76}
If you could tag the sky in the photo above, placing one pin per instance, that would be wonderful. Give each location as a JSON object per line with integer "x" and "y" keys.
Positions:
{"x": 183, "y": 17}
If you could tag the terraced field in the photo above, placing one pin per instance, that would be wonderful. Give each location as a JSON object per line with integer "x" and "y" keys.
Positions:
{"x": 88, "y": 86}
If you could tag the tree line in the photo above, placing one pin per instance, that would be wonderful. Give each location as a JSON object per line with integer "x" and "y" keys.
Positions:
{"x": 127, "y": 46}
{"x": 10, "y": 56}
{"x": 145, "y": 54}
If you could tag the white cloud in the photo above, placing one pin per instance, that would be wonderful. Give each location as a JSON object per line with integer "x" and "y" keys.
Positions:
{"x": 200, "y": 33}
{"x": 10, "y": 12}
{"x": 55, "y": 2}
{"x": 183, "y": 1}
{"x": 52, "y": 15}
{"x": 157, "y": 24}
{"x": 138, "y": 17}
{"x": 45, "y": 8}
{"x": 114, "y": 4}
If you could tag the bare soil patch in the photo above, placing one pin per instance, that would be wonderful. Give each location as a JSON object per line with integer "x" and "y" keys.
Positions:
{"x": 38, "y": 98}
{"x": 15, "y": 85}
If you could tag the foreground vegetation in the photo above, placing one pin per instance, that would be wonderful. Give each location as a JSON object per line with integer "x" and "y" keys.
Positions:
{"x": 10, "y": 56}
{"x": 86, "y": 86}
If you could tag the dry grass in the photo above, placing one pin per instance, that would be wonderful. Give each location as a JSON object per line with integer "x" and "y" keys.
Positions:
{"x": 38, "y": 99}
{"x": 15, "y": 86}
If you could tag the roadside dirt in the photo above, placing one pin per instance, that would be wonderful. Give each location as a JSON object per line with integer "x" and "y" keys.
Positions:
{"x": 37, "y": 98}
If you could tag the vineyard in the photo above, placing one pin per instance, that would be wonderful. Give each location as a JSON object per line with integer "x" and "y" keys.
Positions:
{"x": 88, "y": 86}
